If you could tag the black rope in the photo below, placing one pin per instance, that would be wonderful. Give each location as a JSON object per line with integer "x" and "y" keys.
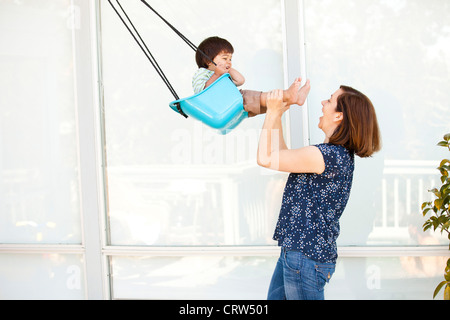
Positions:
{"x": 189, "y": 43}
{"x": 146, "y": 51}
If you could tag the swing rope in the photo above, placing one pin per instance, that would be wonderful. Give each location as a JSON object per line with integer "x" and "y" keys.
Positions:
{"x": 144, "y": 47}
{"x": 147, "y": 51}
{"x": 188, "y": 42}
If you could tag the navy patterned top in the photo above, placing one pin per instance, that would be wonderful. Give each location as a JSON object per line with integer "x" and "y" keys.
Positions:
{"x": 312, "y": 205}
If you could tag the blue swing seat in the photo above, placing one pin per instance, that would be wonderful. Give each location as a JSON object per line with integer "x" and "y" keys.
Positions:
{"x": 220, "y": 106}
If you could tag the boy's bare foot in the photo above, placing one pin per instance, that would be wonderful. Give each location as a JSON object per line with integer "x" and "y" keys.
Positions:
{"x": 295, "y": 94}
{"x": 303, "y": 93}
{"x": 290, "y": 95}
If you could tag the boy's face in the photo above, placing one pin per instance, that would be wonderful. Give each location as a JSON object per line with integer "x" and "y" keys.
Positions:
{"x": 223, "y": 61}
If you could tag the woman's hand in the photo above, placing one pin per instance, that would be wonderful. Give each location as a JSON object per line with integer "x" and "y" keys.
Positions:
{"x": 275, "y": 102}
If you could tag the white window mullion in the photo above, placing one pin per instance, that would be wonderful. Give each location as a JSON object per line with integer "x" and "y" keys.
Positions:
{"x": 295, "y": 66}
{"x": 89, "y": 144}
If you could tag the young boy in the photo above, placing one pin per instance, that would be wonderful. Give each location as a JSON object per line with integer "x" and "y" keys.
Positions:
{"x": 221, "y": 51}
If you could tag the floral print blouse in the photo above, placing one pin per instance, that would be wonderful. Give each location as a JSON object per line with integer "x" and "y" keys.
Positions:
{"x": 312, "y": 205}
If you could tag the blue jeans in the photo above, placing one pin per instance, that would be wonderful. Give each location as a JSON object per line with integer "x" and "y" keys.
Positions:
{"x": 299, "y": 278}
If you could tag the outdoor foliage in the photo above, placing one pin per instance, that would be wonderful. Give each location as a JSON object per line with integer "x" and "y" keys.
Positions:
{"x": 440, "y": 214}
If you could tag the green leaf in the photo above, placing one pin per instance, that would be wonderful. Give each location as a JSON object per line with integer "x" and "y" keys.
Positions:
{"x": 438, "y": 288}
{"x": 445, "y": 188}
{"x": 447, "y": 137}
{"x": 438, "y": 203}
{"x": 446, "y": 226}
{"x": 425, "y": 204}
{"x": 426, "y": 211}
{"x": 443, "y": 144}
{"x": 446, "y": 200}
{"x": 447, "y": 293}
{"x": 436, "y": 192}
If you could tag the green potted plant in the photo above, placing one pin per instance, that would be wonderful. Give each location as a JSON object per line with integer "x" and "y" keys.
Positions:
{"x": 440, "y": 214}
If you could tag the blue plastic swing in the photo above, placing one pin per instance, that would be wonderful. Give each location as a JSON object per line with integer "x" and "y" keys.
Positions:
{"x": 220, "y": 106}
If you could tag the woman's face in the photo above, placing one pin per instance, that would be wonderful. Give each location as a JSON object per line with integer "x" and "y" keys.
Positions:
{"x": 331, "y": 118}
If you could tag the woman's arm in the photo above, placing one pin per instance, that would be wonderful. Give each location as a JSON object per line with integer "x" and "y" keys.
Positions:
{"x": 271, "y": 140}
{"x": 272, "y": 150}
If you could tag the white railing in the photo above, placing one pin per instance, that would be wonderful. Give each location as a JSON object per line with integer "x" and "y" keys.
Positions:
{"x": 404, "y": 187}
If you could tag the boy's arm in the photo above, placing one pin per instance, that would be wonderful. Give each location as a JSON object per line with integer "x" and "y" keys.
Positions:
{"x": 219, "y": 70}
{"x": 237, "y": 77}
{"x": 211, "y": 80}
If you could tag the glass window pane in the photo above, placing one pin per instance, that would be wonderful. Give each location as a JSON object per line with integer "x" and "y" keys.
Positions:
{"x": 39, "y": 186}
{"x": 41, "y": 276}
{"x": 398, "y": 53}
{"x": 193, "y": 277}
{"x": 386, "y": 278}
{"x": 240, "y": 278}
{"x": 173, "y": 181}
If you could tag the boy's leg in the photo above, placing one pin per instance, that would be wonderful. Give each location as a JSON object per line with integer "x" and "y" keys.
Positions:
{"x": 252, "y": 102}
{"x": 255, "y": 101}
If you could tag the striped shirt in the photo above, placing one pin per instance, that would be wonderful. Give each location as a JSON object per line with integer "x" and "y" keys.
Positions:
{"x": 200, "y": 78}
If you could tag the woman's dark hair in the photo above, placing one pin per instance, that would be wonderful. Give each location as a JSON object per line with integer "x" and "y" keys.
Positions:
{"x": 212, "y": 47}
{"x": 358, "y": 131}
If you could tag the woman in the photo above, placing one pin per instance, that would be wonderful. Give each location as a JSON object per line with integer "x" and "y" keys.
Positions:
{"x": 317, "y": 189}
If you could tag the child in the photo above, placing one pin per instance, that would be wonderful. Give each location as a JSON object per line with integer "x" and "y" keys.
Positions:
{"x": 221, "y": 51}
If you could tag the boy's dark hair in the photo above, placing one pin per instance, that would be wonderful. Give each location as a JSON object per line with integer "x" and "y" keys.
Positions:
{"x": 212, "y": 47}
